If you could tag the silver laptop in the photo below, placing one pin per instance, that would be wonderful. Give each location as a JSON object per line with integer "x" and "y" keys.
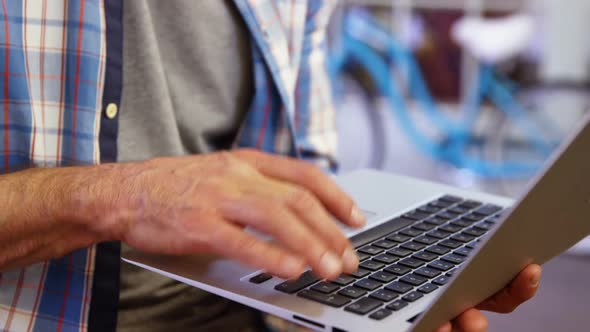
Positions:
{"x": 428, "y": 252}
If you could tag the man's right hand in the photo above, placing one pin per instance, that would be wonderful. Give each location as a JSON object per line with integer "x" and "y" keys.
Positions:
{"x": 201, "y": 204}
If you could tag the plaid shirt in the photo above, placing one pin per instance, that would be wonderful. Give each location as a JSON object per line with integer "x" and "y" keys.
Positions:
{"x": 53, "y": 58}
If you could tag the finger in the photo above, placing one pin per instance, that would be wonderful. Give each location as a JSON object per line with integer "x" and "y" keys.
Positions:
{"x": 471, "y": 320}
{"x": 521, "y": 289}
{"x": 446, "y": 327}
{"x": 309, "y": 177}
{"x": 309, "y": 209}
{"x": 278, "y": 221}
{"x": 232, "y": 242}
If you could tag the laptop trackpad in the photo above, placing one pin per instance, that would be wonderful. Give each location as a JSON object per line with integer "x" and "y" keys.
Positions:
{"x": 383, "y": 196}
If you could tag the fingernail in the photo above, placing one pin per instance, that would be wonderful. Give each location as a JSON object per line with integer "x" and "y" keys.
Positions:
{"x": 350, "y": 260}
{"x": 291, "y": 266}
{"x": 330, "y": 264}
{"x": 535, "y": 280}
{"x": 357, "y": 216}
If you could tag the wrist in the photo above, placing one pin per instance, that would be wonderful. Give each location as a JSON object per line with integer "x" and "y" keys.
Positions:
{"x": 84, "y": 197}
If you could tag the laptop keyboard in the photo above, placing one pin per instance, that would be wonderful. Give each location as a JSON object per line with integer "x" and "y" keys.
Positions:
{"x": 402, "y": 267}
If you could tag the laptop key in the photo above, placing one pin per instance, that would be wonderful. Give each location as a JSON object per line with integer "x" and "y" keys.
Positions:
{"x": 380, "y": 314}
{"x": 399, "y": 238}
{"x": 399, "y": 287}
{"x": 495, "y": 218}
{"x": 425, "y": 256}
{"x": 441, "y": 204}
{"x": 458, "y": 210}
{"x": 427, "y": 272}
{"x": 344, "y": 280}
{"x": 413, "y": 296}
{"x": 441, "y": 281}
{"x": 486, "y": 226}
{"x": 371, "y": 250}
{"x": 414, "y": 246}
{"x": 470, "y": 204}
{"x": 325, "y": 287}
{"x": 455, "y": 259}
{"x": 451, "y": 199}
{"x": 462, "y": 223}
{"x": 368, "y": 284}
{"x": 451, "y": 273}
{"x": 428, "y": 209}
{"x": 435, "y": 221}
{"x": 413, "y": 279}
{"x": 428, "y": 288}
{"x": 260, "y": 278}
{"x": 441, "y": 265}
{"x": 385, "y": 244}
{"x": 437, "y": 233}
{"x": 473, "y": 217}
{"x": 415, "y": 215}
{"x": 360, "y": 273}
{"x": 462, "y": 238}
{"x": 438, "y": 250}
{"x": 450, "y": 244}
{"x": 398, "y": 270}
{"x": 384, "y": 295}
{"x": 426, "y": 240}
{"x": 488, "y": 209}
{"x": 411, "y": 262}
{"x": 362, "y": 256}
{"x": 400, "y": 252}
{"x": 447, "y": 215}
{"x": 424, "y": 226}
{"x": 333, "y": 300}
{"x": 463, "y": 251}
{"x": 371, "y": 265}
{"x": 363, "y": 306}
{"x": 293, "y": 286}
{"x": 475, "y": 231}
{"x": 450, "y": 228}
{"x": 352, "y": 292}
{"x": 386, "y": 259}
{"x": 397, "y": 305}
{"x": 411, "y": 232}
{"x": 383, "y": 277}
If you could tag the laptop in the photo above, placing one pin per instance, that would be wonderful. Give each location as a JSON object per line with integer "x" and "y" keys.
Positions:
{"x": 428, "y": 251}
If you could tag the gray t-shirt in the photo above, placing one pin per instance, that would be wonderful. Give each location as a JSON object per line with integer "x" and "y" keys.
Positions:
{"x": 187, "y": 85}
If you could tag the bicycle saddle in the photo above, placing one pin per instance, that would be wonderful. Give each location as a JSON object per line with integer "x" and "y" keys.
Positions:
{"x": 494, "y": 40}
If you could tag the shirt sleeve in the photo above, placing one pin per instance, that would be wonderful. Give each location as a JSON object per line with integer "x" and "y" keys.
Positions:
{"x": 315, "y": 123}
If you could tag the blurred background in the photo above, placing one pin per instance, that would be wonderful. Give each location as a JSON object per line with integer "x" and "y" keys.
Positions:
{"x": 472, "y": 93}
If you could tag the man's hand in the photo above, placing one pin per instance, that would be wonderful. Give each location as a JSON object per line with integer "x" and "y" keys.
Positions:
{"x": 201, "y": 204}
{"x": 521, "y": 289}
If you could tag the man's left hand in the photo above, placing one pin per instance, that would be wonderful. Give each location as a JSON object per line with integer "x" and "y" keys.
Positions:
{"x": 520, "y": 290}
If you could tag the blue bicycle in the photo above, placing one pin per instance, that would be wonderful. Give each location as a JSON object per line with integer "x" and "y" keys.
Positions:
{"x": 367, "y": 43}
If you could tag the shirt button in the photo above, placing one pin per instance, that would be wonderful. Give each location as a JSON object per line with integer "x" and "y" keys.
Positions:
{"x": 111, "y": 111}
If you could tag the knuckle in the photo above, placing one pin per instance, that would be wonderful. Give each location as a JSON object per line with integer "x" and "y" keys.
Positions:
{"x": 224, "y": 160}
{"x": 301, "y": 199}
{"x": 341, "y": 243}
{"x": 231, "y": 165}
{"x": 276, "y": 258}
{"x": 248, "y": 245}
{"x": 315, "y": 251}
{"x": 216, "y": 236}
{"x": 308, "y": 172}
{"x": 247, "y": 152}
{"x": 250, "y": 155}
